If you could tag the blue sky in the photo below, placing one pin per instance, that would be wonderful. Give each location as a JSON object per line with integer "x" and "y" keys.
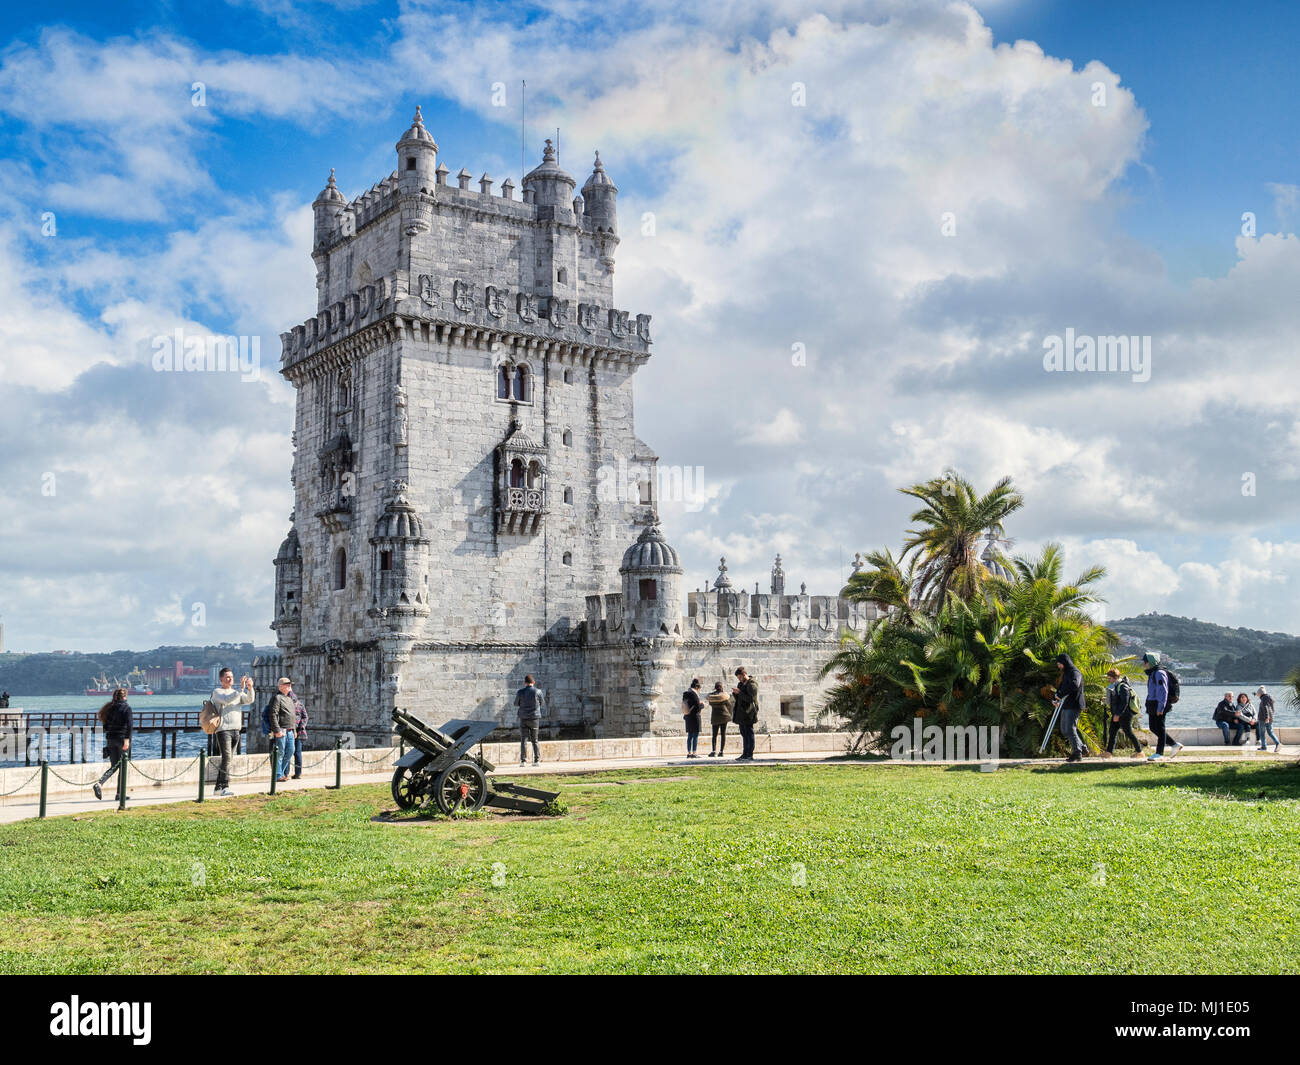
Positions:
{"x": 775, "y": 225}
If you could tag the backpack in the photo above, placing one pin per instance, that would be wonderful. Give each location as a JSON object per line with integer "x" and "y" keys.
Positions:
{"x": 1134, "y": 705}
{"x": 209, "y": 717}
{"x": 1175, "y": 687}
{"x": 266, "y": 718}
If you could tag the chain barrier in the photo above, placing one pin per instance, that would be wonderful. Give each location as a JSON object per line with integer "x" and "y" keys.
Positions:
{"x": 75, "y": 783}
{"x": 323, "y": 759}
{"x": 35, "y": 773}
{"x": 163, "y": 780}
{"x": 371, "y": 761}
{"x": 256, "y": 769}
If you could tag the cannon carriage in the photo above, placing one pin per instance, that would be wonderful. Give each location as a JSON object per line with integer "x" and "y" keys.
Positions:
{"x": 441, "y": 766}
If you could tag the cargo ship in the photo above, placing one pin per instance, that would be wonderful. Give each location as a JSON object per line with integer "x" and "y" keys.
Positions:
{"x": 102, "y": 687}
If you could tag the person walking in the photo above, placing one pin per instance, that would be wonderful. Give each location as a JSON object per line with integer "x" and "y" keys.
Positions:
{"x": 1120, "y": 699}
{"x": 692, "y": 704}
{"x": 283, "y": 720}
{"x": 1158, "y": 705}
{"x": 1069, "y": 697}
{"x": 529, "y": 702}
{"x": 299, "y": 733}
{"x": 231, "y": 702}
{"x": 746, "y": 712}
{"x": 1226, "y": 717}
{"x": 720, "y": 705}
{"x": 1266, "y": 718}
{"x": 117, "y": 719}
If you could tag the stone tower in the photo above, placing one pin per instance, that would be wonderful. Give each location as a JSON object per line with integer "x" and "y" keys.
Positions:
{"x": 463, "y": 383}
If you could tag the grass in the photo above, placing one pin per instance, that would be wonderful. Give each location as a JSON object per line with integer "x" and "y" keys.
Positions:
{"x": 829, "y": 868}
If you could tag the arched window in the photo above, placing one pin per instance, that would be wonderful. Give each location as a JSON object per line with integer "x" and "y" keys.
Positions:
{"x": 568, "y": 377}
{"x": 385, "y": 561}
{"x": 649, "y": 589}
{"x": 516, "y": 474}
{"x": 523, "y": 384}
{"x": 340, "y": 569}
{"x": 568, "y": 438}
{"x": 568, "y": 495}
{"x": 561, "y": 276}
{"x": 568, "y": 558}
{"x": 647, "y": 496}
{"x": 343, "y": 394}
{"x": 534, "y": 475}
{"x": 503, "y": 382}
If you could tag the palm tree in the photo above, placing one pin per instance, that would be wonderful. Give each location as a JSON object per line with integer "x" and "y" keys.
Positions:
{"x": 884, "y": 583}
{"x": 949, "y": 526}
{"x": 1293, "y": 684}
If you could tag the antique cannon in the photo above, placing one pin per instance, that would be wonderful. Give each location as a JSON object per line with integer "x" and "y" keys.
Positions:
{"x": 440, "y": 766}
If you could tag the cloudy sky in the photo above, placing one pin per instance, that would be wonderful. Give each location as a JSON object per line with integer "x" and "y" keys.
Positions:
{"x": 855, "y": 225}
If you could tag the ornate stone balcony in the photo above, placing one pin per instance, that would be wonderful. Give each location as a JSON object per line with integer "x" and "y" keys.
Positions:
{"x": 521, "y": 510}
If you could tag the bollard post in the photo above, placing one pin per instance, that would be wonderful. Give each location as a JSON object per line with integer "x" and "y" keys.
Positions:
{"x": 203, "y": 771}
{"x": 338, "y": 763}
{"x": 45, "y": 784}
{"x": 121, "y": 779}
{"x": 275, "y": 761}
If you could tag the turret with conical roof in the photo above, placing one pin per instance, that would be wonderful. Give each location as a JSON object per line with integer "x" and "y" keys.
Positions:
{"x": 600, "y": 200}
{"x": 417, "y": 157}
{"x": 325, "y": 208}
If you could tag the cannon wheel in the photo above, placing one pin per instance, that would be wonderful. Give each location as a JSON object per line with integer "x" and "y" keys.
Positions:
{"x": 461, "y": 787}
{"x": 403, "y": 787}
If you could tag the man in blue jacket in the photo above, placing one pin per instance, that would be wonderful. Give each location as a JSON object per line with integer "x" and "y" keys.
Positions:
{"x": 1158, "y": 704}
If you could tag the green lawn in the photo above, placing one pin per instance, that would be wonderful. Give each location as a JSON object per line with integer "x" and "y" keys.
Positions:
{"x": 841, "y": 868}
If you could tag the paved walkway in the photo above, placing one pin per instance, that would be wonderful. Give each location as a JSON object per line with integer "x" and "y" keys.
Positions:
{"x": 66, "y": 806}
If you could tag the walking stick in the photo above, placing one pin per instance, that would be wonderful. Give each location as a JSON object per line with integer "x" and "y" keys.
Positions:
{"x": 1050, "y": 727}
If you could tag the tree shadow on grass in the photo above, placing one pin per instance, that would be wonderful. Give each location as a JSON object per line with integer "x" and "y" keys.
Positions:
{"x": 1272, "y": 782}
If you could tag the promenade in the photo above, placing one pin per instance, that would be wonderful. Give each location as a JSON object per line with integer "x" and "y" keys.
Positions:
{"x": 157, "y": 781}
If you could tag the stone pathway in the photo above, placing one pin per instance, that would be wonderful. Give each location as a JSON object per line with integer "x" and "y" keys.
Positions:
{"x": 67, "y": 806}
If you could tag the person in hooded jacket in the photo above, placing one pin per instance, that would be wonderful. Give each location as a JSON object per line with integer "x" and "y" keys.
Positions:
{"x": 1158, "y": 705}
{"x": 1069, "y": 695}
{"x": 117, "y": 719}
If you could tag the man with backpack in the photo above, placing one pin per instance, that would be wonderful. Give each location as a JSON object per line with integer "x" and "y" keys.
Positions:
{"x": 529, "y": 702}
{"x": 1123, "y": 708}
{"x": 1163, "y": 690}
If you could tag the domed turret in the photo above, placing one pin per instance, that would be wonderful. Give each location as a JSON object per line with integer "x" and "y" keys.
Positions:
{"x": 325, "y": 207}
{"x": 652, "y": 585}
{"x": 651, "y": 552}
{"x": 550, "y": 186}
{"x": 288, "y": 591}
{"x": 399, "y": 560}
{"x": 417, "y": 157}
{"x": 600, "y": 199}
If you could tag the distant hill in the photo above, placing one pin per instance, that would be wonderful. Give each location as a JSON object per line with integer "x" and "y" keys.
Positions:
{"x": 1208, "y": 645}
{"x": 70, "y": 673}
{"x": 1272, "y": 663}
